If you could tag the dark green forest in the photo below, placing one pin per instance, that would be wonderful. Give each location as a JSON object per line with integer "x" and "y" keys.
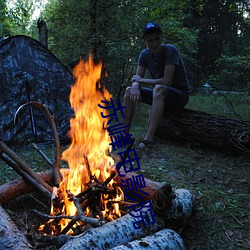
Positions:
{"x": 212, "y": 35}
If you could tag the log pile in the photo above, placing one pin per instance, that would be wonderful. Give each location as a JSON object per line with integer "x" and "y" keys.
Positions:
{"x": 173, "y": 208}
{"x": 211, "y": 131}
{"x": 172, "y": 211}
{"x": 164, "y": 210}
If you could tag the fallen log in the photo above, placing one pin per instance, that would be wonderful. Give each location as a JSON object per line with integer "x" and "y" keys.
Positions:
{"x": 22, "y": 164}
{"x": 10, "y": 237}
{"x": 125, "y": 229}
{"x": 18, "y": 187}
{"x": 163, "y": 239}
{"x": 212, "y": 131}
{"x": 114, "y": 233}
{"x": 26, "y": 176}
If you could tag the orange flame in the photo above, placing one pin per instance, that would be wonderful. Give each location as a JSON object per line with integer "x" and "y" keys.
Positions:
{"x": 89, "y": 137}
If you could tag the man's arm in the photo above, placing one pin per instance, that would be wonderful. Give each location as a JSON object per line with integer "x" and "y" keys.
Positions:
{"x": 135, "y": 94}
{"x": 166, "y": 80}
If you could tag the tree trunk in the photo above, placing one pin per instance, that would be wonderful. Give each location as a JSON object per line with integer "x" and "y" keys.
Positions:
{"x": 212, "y": 131}
{"x": 10, "y": 237}
{"x": 43, "y": 32}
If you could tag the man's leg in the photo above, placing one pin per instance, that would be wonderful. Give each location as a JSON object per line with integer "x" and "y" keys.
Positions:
{"x": 129, "y": 109}
{"x": 157, "y": 111}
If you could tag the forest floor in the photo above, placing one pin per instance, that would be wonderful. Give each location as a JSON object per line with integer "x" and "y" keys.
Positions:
{"x": 220, "y": 182}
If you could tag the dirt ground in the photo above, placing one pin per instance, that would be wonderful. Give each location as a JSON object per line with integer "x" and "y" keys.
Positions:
{"x": 220, "y": 182}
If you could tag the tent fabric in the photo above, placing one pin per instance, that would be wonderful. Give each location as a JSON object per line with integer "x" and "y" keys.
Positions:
{"x": 30, "y": 72}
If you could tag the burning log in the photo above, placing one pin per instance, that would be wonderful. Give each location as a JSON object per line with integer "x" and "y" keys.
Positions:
{"x": 10, "y": 237}
{"x": 163, "y": 239}
{"x": 173, "y": 209}
{"x": 15, "y": 188}
{"x": 216, "y": 132}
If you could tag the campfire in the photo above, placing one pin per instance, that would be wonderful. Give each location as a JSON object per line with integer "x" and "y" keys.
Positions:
{"x": 86, "y": 187}
{"x": 88, "y": 208}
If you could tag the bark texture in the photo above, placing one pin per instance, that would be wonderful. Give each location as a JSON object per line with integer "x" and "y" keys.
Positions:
{"x": 173, "y": 209}
{"x": 114, "y": 233}
{"x": 10, "y": 237}
{"x": 162, "y": 240}
{"x": 18, "y": 187}
{"x": 43, "y": 32}
{"x": 212, "y": 131}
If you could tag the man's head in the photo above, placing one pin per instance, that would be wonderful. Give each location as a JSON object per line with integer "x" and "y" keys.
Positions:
{"x": 150, "y": 28}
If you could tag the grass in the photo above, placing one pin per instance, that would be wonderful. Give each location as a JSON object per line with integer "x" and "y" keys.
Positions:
{"x": 234, "y": 106}
{"x": 220, "y": 181}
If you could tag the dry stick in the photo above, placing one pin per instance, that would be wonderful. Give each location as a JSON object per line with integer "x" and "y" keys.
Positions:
{"x": 92, "y": 221}
{"x": 25, "y": 176}
{"x": 80, "y": 217}
{"x": 51, "y": 217}
{"x": 24, "y": 166}
{"x": 85, "y": 205}
{"x": 57, "y": 174}
{"x": 86, "y": 162}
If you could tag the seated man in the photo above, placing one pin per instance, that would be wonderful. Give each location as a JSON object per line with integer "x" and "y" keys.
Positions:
{"x": 169, "y": 87}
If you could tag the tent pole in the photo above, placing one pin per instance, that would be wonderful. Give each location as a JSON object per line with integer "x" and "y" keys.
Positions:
{"x": 33, "y": 125}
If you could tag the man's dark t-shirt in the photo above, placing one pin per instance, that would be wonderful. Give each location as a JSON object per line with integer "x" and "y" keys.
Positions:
{"x": 171, "y": 56}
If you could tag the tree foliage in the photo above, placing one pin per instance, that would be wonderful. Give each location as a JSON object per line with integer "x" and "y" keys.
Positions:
{"x": 212, "y": 35}
{"x": 223, "y": 33}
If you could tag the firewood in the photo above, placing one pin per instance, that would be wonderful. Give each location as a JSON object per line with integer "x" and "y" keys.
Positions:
{"x": 173, "y": 209}
{"x": 26, "y": 176}
{"x": 114, "y": 233}
{"x": 15, "y": 188}
{"x": 13, "y": 156}
{"x": 150, "y": 189}
{"x": 18, "y": 187}
{"x": 174, "y": 206}
{"x": 161, "y": 240}
{"x": 10, "y": 237}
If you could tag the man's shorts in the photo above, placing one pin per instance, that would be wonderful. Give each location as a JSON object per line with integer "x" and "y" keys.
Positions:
{"x": 175, "y": 99}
